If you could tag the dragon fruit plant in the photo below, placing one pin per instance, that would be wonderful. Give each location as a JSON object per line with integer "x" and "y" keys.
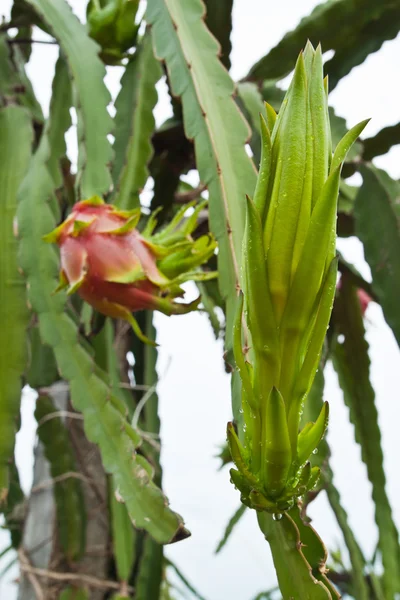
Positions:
{"x": 119, "y": 270}
{"x": 289, "y": 280}
{"x": 98, "y": 510}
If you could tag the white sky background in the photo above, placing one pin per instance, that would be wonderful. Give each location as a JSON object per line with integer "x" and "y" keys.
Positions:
{"x": 194, "y": 390}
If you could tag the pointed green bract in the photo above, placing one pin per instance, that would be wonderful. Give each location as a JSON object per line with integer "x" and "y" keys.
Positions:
{"x": 309, "y": 438}
{"x": 289, "y": 278}
{"x": 276, "y": 455}
{"x": 261, "y": 191}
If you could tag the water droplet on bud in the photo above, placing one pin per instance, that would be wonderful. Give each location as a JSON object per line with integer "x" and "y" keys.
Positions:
{"x": 315, "y": 451}
{"x": 277, "y": 516}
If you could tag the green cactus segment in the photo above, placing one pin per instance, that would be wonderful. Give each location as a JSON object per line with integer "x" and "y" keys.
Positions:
{"x": 68, "y": 493}
{"x": 338, "y": 26}
{"x": 123, "y": 536}
{"x": 219, "y": 22}
{"x": 378, "y": 196}
{"x": 359, "y": 587}
{"x": 42, "y": 370}
{"x": 104, "y": 425}
{"x": 289, "y": 279}
{"x": 60, "y": 122}
{"x": 295, "y": 576}
{"x": 13, "y": 77}
{"x": 87, "y": 70}
{"x": 363, "y": 41}
{"x": 381, "y": 142}
{"x": 14, "y": 513}
{"x": 351, "y": 361}
{"x": 313, "y": 550}
{"x": 233, "y": 521}
{"x": 134, "y": 123}
{"x": 196, "y": 75}
{"x": 15, "y": 151}
{"x": 150, "y": 573}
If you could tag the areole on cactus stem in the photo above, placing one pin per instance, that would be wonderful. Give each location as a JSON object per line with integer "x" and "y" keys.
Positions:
{"x": 119, "y": 270}
{"x": 289, "y": 272}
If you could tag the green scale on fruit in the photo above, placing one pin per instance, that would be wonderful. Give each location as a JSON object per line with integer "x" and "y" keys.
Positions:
{"x": 288, "y": 278}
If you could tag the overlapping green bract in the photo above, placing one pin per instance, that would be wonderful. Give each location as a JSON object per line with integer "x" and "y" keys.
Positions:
{"x": 289, "y": 277}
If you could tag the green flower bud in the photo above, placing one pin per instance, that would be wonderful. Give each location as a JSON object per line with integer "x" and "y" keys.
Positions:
{"x": 288, "y": 277}
{"x": 112, "y": 24}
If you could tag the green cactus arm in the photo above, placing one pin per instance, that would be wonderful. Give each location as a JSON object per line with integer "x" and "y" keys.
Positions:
{"x": 15, "y": 151}
{"x": 87, "y": 71}
{"x": 105, "y": 426}
{"x": 60, "y": 121}
{"x": 13, "y": 77}
{"x": 42, "y": 364}
{"x": 123, "y": 536}
{"x": 380, "y": 235}
{"x": 233, "y": 521}
{"x": 13, "y": 511}
{"x": 353, "y": 51}
{"x": 334, "y": 24}
{"x": 42, "y": 370}
{"x": 314, "y": 550}
{"x": 134, "y": 125}
{"x": 149, "y": 578}
{"x": 196, "y": 75}
{"x": 184, "y": 580}
{"x": 294, "y": 572}
{"x": 352, "y": 363}
{"x": 150, "y": 571}
{"x": 219, "y": 22}
{"x": 359, "y": 587}
{"x": 68, "y": 493}
{"x": 381, "y": 142}
{"x": 106, "y": 358}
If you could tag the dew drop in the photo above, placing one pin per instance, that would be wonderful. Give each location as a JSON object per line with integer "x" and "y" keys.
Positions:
{"x": 277, "y": 516}
{"x": 315, "y": 451}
